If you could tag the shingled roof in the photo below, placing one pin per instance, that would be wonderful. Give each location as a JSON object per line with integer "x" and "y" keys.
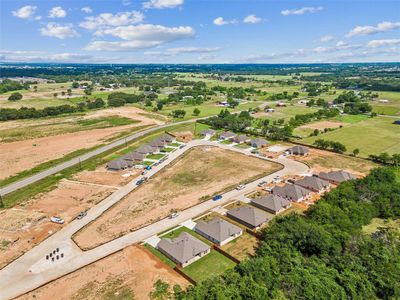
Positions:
{"x": 218, "y": 229}
{"x": 257, "y": 143}
{"x": 117, "y": 164}
{"x": 291, "y": 191}
{"x": 298, "y": 150}
{"x": 241, "y": 138}
{"x": 133, "y": 156}
{"x": 158, "y": 142}
{"x": 208, "y": 132}
{"x": 183, "y": 248}
{"x": 227, "y": 135}
{"x": 146, "y": 149}
{"x": 271, "y": 202}
{"x": 166, "y": 138}
{"x": 336, "y": 176}
{"x": 313, "y": 183}
{"x": 249, "y": 215}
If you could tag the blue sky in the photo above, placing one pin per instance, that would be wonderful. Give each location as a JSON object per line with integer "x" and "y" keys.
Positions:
{"x": 199, "y": 31}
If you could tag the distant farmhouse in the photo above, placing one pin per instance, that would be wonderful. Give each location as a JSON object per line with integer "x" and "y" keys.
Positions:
{"x": 184, "y": 249}
{"x": 218, "y": 231}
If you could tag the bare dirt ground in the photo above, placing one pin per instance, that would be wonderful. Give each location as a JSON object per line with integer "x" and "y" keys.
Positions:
{"x": 127, "y": 274}
{"x": 25, "y": 226}
{"x": 320, "y": 160}
{"x": 201, "y": 172}
{"x": 102, "y": 176}
{"x": 322, "y": 125}
{"x": 242, "y": 247}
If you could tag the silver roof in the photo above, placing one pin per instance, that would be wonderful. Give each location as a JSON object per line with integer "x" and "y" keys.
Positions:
{"x": 218, "y": 229}
{"x": 291, "y": 191}
{"x": 250, "y": 215}
{"x": 271, "y": 202}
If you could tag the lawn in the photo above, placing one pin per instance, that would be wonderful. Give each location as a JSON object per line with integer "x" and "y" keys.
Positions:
{"x": 168, "y": 149}
{"x": 155, "y": 156}
{"x": 174, "y": 145}
{"x": 160, "y": 255}
{"x": 226, "y": 142}
{"x": 372, "y": 136}
{"x": 242, "y": 146}
{"x": 241, "y": 247}
{"x": 377, "y": 223}
{"x": 211, "y": 265}
{"x": 391, "y": 108}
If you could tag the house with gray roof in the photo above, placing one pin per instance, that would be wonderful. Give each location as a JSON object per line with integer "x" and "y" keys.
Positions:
{"x": 314, "y": 184}
{"x": 208, "y": 132}
{"x": 249, "y": 216}
{"x": 218, "y": 231}
{"x": 147, "y": 149}
{"x": 271, "y": 203}
{"x": 227, "y": 135}
{"x": 241, "y": 139}
{"x": 117, "y": 164}
{"x": 184, "y": 249}
{"x": 133, "y": 157}
{"x": 168, "y": 138}
{"x": 158, "y": 143}
{"x": 298, "y": 150}
{"x": 291, "y": 192}
{"x": 258, "y": 143}
{"x": 336, "y": 177}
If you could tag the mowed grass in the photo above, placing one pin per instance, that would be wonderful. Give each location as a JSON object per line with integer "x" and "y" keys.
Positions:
{"x": 211, "y": 265}
{"x": 392, "y": 108}
{"x": 372, "y": 136}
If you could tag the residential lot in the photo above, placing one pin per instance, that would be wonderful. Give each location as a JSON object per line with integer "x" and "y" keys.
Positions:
{"x": 241, "y": 247}
{"x": 127, "y": 274}
{"x": 197, "y": 175}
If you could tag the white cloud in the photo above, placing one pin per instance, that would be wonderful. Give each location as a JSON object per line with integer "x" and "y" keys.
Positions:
{"x": 18, "y": 56}
{"x": 59, "y": 31}
{"x": 161, "y": 4}
{"x": 220, "y": 21}
{"x": 57, "y": 12}
{"x": 107, "y": 19}
{"x": 301, "y": 11}
{"x": 182, "y": 50}
{"x": 140, "y": 37}
{"x": 326, "y": 38}
{"x": 341, "y": 44}
{"x": 367, "y": 30}
{"x": 26, "y": 12}
{"x": 252, "y": 19}
{"x": 381, "y": 43}
{"x": 87, "y": 10}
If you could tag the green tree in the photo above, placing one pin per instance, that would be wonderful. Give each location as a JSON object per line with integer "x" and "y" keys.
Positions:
{"x": 15, "y": 97}
{"x": 196, "y": 111}
{"x": 160, "y": 291}
{"x": 356, "y": 152}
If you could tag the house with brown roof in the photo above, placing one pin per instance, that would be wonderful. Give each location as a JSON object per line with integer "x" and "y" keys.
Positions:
{"x": 240, "y": 139}
{"x": 208, "y": 132}
{"x": 292, "y": 192}
{"x": 336, "y": 177}
{"x": 314, "y": 184}
{"x": 158, "y": 143}
{"x": 133, "y": 157}
{"x": 271, "y": 203}
{"x": 258, "y": 143}
{"x": 227, "y": 135}
{"x": 184, "y": 249}
{"x": 147, "y": 149}
{"x": 298, "y": 150}
{"x": 218, "y": 231}
{"x": 117, "y": 164}
{"x": 168, "y": 138}
{"x": 249, "y": 216}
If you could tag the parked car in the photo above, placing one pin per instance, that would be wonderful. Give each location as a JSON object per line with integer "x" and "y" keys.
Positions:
{"x": 240, "y": 187}
{"x": 57, "y": 220}
{"x": 182, "y": 146}
{"x": 277, "y": 179}
{"x": 81, "y": 215}
{"x": 261, "y": 183}
{"x": 217, "y": 197}
{"x": 148, "y": 168}
{"x": 140, "y": 181}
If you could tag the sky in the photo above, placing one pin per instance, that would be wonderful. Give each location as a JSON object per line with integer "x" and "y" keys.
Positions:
{"x": 199, "y": 31}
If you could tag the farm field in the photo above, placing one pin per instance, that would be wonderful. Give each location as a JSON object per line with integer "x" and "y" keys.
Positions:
{"x": 372, "y": 136}
{"x": 391, "y": 108}
{"x": 199, "y": 173}
{"x": 285, "y": 112}
{"x": 128, "y": 274}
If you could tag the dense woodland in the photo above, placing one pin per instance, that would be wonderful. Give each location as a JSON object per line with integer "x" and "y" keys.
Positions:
{"x": 323, "y": 254}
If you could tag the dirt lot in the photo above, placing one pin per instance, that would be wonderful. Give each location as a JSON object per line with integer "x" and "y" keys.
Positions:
{"x": 200, "y": 172}
{"x": 322, "y": 125}
{"x": 25, "y": 226}
{"x": 241, "y": 247}
{"x": 320, "y": 160}
{"x": 130, "y": 273}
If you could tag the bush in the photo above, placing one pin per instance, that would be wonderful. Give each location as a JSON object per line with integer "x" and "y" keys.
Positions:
{"x": 15, "y": 97}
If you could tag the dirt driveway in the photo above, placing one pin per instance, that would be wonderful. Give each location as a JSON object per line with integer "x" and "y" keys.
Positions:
{"x": 127, "y": 274}
{"x": 200, "y": 172}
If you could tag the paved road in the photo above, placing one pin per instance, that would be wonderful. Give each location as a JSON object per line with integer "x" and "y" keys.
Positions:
{"x": 74, "y": 161}
{"x": 33, "y": 270}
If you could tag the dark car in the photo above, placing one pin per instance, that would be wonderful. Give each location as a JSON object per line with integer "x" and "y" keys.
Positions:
{"x": 81, "y": 215}
{"x": 217, "y": 197}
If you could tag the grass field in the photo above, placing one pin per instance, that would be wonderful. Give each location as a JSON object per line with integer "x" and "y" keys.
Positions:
{"x": 377, "y": 223}
{"x": 211, "y": 265}
{"x": 391, "y": 108}
{"x": 372, "y": 136}
{"x": 287, "y": 112}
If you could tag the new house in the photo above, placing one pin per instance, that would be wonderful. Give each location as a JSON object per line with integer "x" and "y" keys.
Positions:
{"x": 158, "y": 143}
{"x": 133, "y": 157}
{"x": 168, "y": 138}
{"x": 249, "y": 216}
{"x": 227, "y": 135}
{"x": 298, "y": 150}
{"x": 314, "y": 184}
{"x": 271, "y": 203}
{"x": 336, "y": 177}
{"x": 241, "y": 139}
{"x": 218, "y": 231}
{"x": 117, "y": 164}
{"x": 208, "y": 132}
{"x": 258, "y": 143}
{"x": 291, "y": 192}
{"x": 184, "y": 249}
{"x": 147, "y": 149}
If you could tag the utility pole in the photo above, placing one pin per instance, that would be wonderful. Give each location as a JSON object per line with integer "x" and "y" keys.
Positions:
{"x": 80, "y": 164}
